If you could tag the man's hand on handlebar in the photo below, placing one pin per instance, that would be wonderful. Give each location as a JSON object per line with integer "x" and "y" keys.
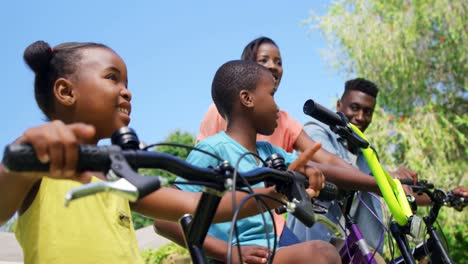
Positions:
{"x": 405, "y": 173}
{"x": 460, "y": 192}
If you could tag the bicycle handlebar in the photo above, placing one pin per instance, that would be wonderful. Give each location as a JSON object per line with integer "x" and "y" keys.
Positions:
{"x": 439, "y": 197}
{"x": 456, "y": 202}
{"x": 322, "y": 114}
{"x": 121, "y": 163}
{"x": 338, "y": 123}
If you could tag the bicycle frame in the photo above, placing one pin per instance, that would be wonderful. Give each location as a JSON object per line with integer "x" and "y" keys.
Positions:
{"x": 355, "y": 250}
{"x": 391, "y": 189}
{"x": 196, "y": 228}
{"x": 400, "y": 208}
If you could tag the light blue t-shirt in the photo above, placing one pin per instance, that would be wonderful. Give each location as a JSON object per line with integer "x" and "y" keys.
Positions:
{"x": 251, "y": 229}
{"x": 369, "y": 226}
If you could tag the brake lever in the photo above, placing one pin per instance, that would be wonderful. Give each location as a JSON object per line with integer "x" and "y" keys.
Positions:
{"x": 120, "y": 168}
{"x": 117, "y": 182}
{"x": 299, "y": 204}
{"x": 120, "y": 187}
{"x": 123, "y": 180}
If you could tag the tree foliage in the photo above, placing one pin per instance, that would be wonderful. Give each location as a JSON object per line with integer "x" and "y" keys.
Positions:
{"x": 415, "y": 51}
{"x": 162, "y": 255}
{"x": 178, "y": 137}
{"x": 426, "y": 142}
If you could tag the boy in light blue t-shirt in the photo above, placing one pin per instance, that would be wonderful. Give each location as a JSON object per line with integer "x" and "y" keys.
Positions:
{"x": 243, "y": 92}
{"x": 251, "y": 229}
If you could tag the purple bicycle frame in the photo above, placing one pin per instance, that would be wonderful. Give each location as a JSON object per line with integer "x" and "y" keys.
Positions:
{"x": 354, "y": 242}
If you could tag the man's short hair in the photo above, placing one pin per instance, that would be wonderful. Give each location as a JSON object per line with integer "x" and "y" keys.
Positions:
{"x": 363, "y": 85}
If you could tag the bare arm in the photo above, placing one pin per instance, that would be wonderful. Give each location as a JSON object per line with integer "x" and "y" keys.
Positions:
{"x": 156, "y": 205}
{"x": 349, "y": 178}
{"x": 322, "y": 156}
{"x": 53, "y": 142}
{"x": 336, "y": 170}
{"x": 13, "y": 190}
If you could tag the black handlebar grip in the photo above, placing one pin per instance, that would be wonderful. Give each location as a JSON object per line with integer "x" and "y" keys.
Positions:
{"x": 407, "y": 181}
{"x": 22, "y": 157}
{"x": 322, "y": 114}
{"x": 95, "y": 158}
{"x": 328, "y": 193}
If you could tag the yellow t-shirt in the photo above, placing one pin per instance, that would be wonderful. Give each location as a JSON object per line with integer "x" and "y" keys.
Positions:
{"x": 93, "y": 229}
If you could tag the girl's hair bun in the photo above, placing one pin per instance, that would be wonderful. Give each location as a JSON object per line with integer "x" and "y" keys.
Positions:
{"x": 38, "y": 56}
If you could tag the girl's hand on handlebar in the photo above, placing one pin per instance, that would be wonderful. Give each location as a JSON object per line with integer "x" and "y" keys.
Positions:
{"x": 57, "y": 143}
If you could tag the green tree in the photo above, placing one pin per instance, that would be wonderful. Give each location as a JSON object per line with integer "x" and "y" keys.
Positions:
{"x": 177, "y": 137}
{"x": 433, "y": 153}
{"x": 415, "y": 51}
{"x": 163, "y": 254}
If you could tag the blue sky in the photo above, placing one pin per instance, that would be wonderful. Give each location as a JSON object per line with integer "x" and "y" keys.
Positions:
{"x": 172, "y": 50}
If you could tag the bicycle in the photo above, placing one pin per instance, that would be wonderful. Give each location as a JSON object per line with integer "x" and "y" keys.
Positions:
{"x": 121, "y": 160}
{"x": 405, "y": 223}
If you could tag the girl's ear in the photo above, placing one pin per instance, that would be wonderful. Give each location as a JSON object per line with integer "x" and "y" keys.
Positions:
{"x": 64, "y": 92}
{"x": 246, "y": 98}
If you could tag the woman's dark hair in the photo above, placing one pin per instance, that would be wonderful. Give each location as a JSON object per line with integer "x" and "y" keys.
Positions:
{"x": 49, "y": 64}
{"x": 250, "y": 51}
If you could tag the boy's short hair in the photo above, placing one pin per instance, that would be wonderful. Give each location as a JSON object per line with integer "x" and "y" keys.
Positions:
{"x": 363, "y": 85}
{"x": 231, "y": 78}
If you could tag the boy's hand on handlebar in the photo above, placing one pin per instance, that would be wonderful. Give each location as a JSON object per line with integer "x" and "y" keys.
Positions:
{"x": 316, "y": 179}
{"x": 315, "y": 176}
{"x": 250, "y": 255}
{"x": 57, "y": 143}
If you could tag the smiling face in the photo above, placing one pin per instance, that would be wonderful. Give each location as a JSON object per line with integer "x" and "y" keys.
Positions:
{"x": 358, "y": 107}
{"x": 100, "y": 89}
{"x": 265, "y": 109}
{"x": 268, "y": 55}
